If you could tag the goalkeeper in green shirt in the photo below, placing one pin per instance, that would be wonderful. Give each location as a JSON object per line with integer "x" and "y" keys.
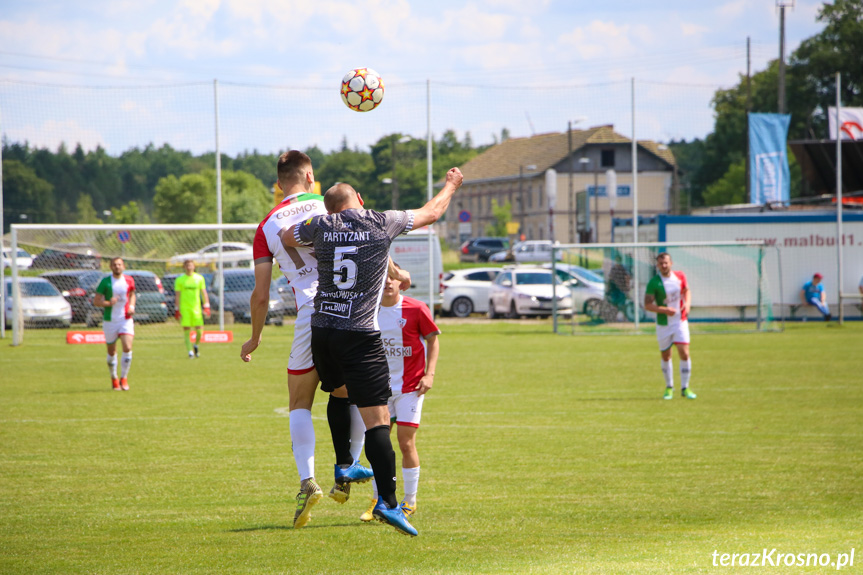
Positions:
{"x": 189, "y": 290}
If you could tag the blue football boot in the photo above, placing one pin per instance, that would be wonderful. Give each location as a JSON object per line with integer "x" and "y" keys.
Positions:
{"x": 356, "y": 473}
{"x": 394, "y": 517}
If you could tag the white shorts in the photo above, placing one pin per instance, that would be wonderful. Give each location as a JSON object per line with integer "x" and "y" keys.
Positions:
{"x": 406, "y": 408}
{"x": 301, "y": 361}
{"x": 668, "y": 335}
{"x": 116, "y": 328}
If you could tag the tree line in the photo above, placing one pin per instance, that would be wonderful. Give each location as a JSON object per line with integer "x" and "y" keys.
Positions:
{"x": 164, "y": 185}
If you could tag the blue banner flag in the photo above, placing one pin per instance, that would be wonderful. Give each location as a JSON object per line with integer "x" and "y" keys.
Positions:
{"x": 769, "y": 179}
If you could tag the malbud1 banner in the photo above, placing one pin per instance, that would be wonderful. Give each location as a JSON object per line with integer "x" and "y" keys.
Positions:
{"x": 850, "y": 123}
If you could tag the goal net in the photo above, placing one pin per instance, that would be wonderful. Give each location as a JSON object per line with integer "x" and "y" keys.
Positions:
{"x": 71, "y": 260}
{"x": 732, "y": 286}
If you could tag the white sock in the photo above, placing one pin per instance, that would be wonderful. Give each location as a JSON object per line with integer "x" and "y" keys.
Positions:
{"x": 374, "y": 489}
{"x": 411, "y": 479}
{"x": 668, "y": 373}
{"x": 685, "y": 372}
{"x": 358, "y": 433}
{"x": 125, "y": 363}
{"x": 112, "y": 365}
{"x": 303, "y": 442}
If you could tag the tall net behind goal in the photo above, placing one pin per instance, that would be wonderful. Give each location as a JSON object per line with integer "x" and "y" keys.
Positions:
{"x": 74, "y": 259}
{"x": 732, "y": 286}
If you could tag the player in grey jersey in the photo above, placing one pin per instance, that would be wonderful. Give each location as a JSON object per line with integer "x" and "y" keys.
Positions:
{"x": 352, "y": 247}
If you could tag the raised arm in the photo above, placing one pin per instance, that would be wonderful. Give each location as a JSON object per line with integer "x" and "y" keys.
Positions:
{"x": 436, "y": 207}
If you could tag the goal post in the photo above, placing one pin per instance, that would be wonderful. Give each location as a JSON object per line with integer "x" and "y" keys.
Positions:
{"x": 74, "y": 258}
{"x": 734, "y": 285}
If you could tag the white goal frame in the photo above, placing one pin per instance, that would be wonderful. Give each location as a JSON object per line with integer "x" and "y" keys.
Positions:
{"x": 558, "y": 247}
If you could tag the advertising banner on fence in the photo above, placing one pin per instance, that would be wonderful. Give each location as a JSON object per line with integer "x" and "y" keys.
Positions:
{"x": 769, "y": 178}
{"x": 82, "y": 337}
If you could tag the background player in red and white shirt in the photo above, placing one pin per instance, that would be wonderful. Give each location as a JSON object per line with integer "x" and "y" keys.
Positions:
{"x": 669, "y": 297}
{"x": 116, "y": 295}
{"x": 410, "y": 340}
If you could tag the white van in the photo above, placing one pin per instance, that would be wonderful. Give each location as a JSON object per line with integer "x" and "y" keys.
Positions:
{"x": 411, "y": 252}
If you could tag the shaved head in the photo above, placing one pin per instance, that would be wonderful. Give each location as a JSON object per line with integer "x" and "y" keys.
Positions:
{"x": 341, "y": 197}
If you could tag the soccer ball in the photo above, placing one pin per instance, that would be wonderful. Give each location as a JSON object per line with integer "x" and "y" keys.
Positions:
{"x": 362, "y": 90}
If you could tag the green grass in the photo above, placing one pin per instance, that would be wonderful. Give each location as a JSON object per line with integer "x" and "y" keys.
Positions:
{"x": 540, "y": 454}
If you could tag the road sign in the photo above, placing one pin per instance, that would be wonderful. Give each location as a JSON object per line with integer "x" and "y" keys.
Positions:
{"x": 464, "y": 216}
{"x": 123, "y": 236}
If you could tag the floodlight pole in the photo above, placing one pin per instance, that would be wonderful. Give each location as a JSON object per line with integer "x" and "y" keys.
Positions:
{"x": 781, "y": 56}
{"x": 839, "y": 236}
{"x": 748, "y": 108}
{"x": 429, "y": 163}
{"x": 221, "y": 265}
{"x": 636, "y": 303}
{"x": 571, "y": 209}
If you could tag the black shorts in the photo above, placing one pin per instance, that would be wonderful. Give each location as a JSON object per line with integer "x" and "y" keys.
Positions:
{"x": 355, "y": 359}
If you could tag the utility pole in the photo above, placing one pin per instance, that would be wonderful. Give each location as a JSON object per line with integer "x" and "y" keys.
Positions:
{"x": 782, "y": 4}
{"x": 571, "y": 176}
{"x": 395, "y": 204}
{"x": 748, "y": 109}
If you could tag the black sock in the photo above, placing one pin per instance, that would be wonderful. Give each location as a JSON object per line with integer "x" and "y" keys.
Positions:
{"x": 339, "y": 418}
{"x": 379, "y": 451}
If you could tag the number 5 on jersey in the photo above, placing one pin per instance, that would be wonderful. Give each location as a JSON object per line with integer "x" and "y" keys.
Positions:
{"x": 344, "y": 269}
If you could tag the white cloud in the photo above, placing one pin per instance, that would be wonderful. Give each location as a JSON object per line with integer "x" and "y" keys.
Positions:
{"x": 691, "y": 29}
{"x": 732, "y": 9}
{"x": 600, "y": 38}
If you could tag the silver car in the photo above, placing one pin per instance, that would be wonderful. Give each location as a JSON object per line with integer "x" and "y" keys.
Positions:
{"x": 41, "y": 303}
{"x": 466, "y": 291}
{"x": 585, "y": 285}
{"x": 527, "y": 291}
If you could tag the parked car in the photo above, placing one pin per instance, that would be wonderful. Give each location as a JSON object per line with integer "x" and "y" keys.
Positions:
{"x": 234, "y": 255}
{"x": 479, "y": 249}
{"x": 528, "y": 251}
{"x": 287, "y": 293}
{"x": 79, "y": 289}
{"x": 22, "y": 259}
{"x": 466, "y": 291}
{"x": 70, "y": 255}
{"x": 585, "y": 285}
{"x": 41, "y": 304}
{"x": 527, "y": 291}
{"x": 168, "y": 288}
{"x": 239, "y": 284}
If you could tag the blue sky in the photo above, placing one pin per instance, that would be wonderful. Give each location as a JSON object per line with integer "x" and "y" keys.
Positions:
{"x": 474, "y": 52}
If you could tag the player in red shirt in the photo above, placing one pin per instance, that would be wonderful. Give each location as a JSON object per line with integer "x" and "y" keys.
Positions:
{"x": 410, "y": 341}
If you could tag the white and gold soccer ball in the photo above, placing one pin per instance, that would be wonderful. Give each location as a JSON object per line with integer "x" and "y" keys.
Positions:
{"x": 362, "y": 90}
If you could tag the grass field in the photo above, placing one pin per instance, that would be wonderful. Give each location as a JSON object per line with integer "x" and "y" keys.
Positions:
{"x": 540, "y": 454}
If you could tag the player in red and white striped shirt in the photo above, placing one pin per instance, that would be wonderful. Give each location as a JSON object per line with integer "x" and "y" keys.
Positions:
{"x": 409, "y": 335}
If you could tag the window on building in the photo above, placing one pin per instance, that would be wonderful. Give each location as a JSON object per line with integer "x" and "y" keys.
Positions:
{"x": 606, "y": 159}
